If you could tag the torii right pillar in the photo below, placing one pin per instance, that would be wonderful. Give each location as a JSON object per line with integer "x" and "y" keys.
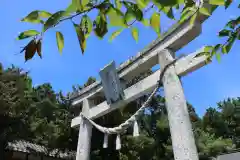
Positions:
{"x": 183, "y": 142}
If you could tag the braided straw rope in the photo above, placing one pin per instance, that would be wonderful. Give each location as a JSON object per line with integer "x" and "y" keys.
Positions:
{"x": 122, "y": 127}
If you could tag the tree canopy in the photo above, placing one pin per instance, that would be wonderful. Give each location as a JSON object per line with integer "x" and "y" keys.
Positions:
{"x": 122, "y": 15}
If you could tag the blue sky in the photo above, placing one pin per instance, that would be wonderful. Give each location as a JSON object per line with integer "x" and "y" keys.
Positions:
{"x": 203, "y": 88}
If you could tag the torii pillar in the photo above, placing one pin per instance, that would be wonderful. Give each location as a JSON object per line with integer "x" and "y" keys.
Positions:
{"x": 183, "y": 142}
{"x": 85, "y": 134}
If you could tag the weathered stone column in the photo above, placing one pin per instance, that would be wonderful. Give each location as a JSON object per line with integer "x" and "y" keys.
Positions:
{"x": 85, "y": 134}
{"x": 183, "y": 143}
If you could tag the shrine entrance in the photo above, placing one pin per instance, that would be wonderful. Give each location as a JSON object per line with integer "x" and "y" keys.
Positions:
{"x": 113, "y": 88}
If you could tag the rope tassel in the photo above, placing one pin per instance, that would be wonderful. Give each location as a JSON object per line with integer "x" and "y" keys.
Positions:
{"x": 118, "y": 142}
{"x": 105, "y": 141}
{"x": 135, "y": 129}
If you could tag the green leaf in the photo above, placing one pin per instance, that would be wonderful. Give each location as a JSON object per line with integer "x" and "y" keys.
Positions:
{"x": 217, "y": 2}
{"x": 169, "y": 2}
{"x": 115, "y": 18}
{"x": 115, "y": 34}
{"x": 229, "y": 45}
{"x": 213, "y": 53}
{"x": 168, "y": 11}
{"x": 135, "y": 33}
{"x": 129, "y": 16}
{"x": 118, "y": 4}
{"x": 239, "y": 6}
{"x": 81, "y": 37}
{"x": 224, "y": 49}
{"x": 179, "y": 2}
{"x": 53, "y": 20}
{"x": 60, "y": 41}
{"x": 77, "y": 5}
{"x": 238, "y": 21}
{"x": 208, "y": 48}
{"x": 224, "y": 33}
{"x": 177, "y": 6}
{"x": 193, "y": 18}
{"x": 142, "y": 3}
{"x": 71, "y": 8}
{"x": 100, "y": 27}
{"x": 187, "y": 12}
{"x": 227, "y": 3}
{"x": 205, "y": 11}
{"x": 155, "y": 22}
{"x": 189, "y": 3}
{"x": 27, "y": 34}
{"x": 133, "y": 10}
{"x": 156, "y": 3}
{"x": 231, "y": 24}
{"x": 218, "y": 57}
{"x": 170, "y": 14}
{"x": 86, "y": 23}
{"x": 145, "y": 22}
{"x": 44, "y": 14}
{"x": 137, "y": 12}
{"x": 32, "y": 17}
{"x": 216, "y": 48}
{"x": 84, "y": 3}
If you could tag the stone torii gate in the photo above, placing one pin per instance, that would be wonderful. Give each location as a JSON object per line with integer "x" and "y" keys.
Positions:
{"x": 161, "y": 51}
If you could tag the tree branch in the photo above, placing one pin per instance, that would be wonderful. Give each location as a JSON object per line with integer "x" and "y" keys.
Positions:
{"x": 79, "y": 13}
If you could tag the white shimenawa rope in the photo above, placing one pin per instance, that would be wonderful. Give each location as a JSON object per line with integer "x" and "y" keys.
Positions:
{"x": 122, "y": 127}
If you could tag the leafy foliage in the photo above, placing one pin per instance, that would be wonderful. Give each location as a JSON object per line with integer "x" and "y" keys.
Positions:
{"x": 231, "y": 33}
{"x": 127, "y": 15}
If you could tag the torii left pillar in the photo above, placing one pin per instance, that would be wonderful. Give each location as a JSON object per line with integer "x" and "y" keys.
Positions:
{"x": 85, "y": 134}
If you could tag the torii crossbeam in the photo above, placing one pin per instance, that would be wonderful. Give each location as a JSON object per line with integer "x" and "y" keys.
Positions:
{"x": 183, "y": 66}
